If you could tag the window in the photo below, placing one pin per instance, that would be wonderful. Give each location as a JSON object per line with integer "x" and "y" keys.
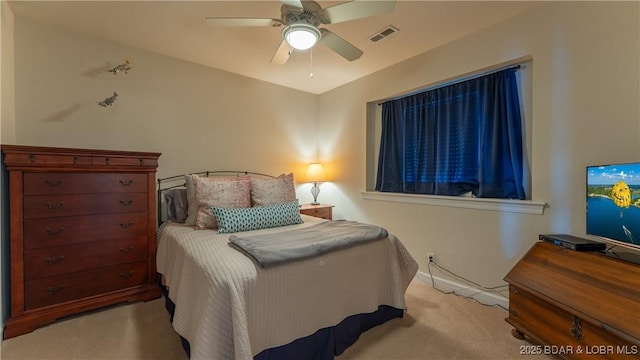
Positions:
{"x": 460, "y": 138}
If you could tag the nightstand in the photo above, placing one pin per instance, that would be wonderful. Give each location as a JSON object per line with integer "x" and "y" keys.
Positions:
{"x": 322, "y": 211}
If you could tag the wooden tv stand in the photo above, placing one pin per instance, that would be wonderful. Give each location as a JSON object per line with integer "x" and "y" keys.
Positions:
{"x": 575, "y": 305}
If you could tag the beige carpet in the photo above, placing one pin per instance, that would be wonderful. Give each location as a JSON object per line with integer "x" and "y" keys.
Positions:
{"x": 436, "y": 326}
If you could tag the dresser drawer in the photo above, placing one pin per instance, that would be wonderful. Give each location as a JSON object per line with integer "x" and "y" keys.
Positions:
{"x": 59, "y": 289}
{"x": 125, "y": 161}
{"x": 45, "y": 232}
{"x": 43, "y": 206}
{"x": 37, "y": 158}
{"x": 83, "y": 183}
{"x": 59, "y": 260}
{"x": 319, "y": 212}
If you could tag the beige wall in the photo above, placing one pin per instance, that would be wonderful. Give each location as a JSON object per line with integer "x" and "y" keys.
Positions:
{"x": 7, "y": 80}
{"x": 7, "y": 121}
{"x": 199, "y": 118}
{"x": 585, "y": 110}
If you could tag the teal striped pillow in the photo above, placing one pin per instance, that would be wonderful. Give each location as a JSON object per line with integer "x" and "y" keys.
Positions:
{"x": 232, "y": 220}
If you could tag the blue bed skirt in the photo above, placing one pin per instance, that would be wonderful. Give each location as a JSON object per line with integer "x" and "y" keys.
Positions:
{"x": 325, "y": 343}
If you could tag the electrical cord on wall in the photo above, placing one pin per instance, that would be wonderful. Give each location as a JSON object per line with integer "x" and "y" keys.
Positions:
{"x": 433, "y": 284}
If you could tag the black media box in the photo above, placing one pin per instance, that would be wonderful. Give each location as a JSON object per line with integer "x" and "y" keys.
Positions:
{"x": 573, "y": 242}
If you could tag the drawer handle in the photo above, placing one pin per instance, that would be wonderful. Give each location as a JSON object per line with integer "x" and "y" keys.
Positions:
{"x": 57, "y": 260}
{"x": 126, "y": 182}
{"x": 54, "y": 291}
{"x": 54, "y": 206}
{"x": 127, "y": 250}
{"x": 127, "y": 275}
{"x": 52, "y": 232}
{"x": 127, "y": 225}
{"x": 54, "y": 183}
{"x": 32, "y": 158}
{"x": 126, "y": 202}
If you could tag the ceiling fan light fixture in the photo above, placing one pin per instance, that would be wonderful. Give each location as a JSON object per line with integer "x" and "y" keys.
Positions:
{"x": 301, "y": 36}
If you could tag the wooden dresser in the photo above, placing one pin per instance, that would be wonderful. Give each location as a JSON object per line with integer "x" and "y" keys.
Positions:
{"x": 82, "y": 229}
{"x": 575, "y": 305}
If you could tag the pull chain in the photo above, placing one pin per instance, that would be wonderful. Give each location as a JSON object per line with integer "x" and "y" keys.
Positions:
{"x": 311, "y": 63}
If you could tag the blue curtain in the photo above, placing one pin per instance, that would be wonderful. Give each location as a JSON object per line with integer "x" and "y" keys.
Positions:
{"x": 454, "y": 139}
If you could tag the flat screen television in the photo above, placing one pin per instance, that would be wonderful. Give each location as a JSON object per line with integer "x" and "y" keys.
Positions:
{"x": 613, "y": 203}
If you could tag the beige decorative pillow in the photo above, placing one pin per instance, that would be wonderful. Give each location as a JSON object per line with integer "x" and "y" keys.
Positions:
{"x": 219, "y": 192}
{"x": 278, "y": 190}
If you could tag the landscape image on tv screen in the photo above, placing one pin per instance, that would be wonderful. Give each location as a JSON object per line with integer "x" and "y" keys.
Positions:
{"x": 613, "y": 202}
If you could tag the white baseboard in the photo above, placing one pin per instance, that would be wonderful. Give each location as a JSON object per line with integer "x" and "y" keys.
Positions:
{"x": 462, "y": 289}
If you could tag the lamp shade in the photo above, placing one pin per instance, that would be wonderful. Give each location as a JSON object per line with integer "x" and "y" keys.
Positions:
{"x": 301, "y": 36}
{"x": 315, "y": 173}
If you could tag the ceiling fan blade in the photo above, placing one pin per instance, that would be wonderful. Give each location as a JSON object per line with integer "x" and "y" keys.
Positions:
{"x": 293, "y": 3}
{"x": 282, "y": 54}
{"x": 356, "y": 10}
{"x": 339, "y": 45}
{"x": 223, "y": 22}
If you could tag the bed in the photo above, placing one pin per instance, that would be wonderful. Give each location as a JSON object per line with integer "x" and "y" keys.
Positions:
{"x": 227, "y": 304}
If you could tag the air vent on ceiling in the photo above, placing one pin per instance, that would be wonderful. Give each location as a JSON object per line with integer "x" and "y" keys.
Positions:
{"x": 387, "y": 31}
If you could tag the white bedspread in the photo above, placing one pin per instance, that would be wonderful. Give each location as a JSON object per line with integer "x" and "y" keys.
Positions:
{"x": 227, "y": 307}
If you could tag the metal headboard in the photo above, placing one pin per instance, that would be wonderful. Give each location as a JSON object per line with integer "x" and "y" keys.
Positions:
{"x": 177, "y": 181}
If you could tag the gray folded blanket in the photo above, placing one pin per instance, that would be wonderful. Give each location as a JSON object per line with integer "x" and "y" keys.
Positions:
{"x": 287, "y": 246}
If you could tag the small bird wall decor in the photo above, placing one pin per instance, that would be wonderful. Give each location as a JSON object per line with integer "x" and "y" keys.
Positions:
{"x": 108, "y": 101}
{"x": 124, "y": 67}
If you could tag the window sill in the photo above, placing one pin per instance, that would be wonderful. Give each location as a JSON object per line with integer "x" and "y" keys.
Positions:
{"x": 503, "y": 205}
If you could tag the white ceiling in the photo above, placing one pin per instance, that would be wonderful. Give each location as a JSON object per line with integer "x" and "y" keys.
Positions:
{"x": 177, "y": 29}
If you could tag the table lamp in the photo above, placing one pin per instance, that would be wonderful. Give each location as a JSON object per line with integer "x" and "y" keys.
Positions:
{"x": 315, "y": 174}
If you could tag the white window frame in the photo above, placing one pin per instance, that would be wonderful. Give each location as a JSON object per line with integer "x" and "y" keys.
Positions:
{"x": 529, "y": 206}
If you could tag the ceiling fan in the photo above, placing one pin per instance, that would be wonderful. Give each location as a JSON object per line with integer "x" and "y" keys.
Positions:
{"x": 301, "y": 20}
